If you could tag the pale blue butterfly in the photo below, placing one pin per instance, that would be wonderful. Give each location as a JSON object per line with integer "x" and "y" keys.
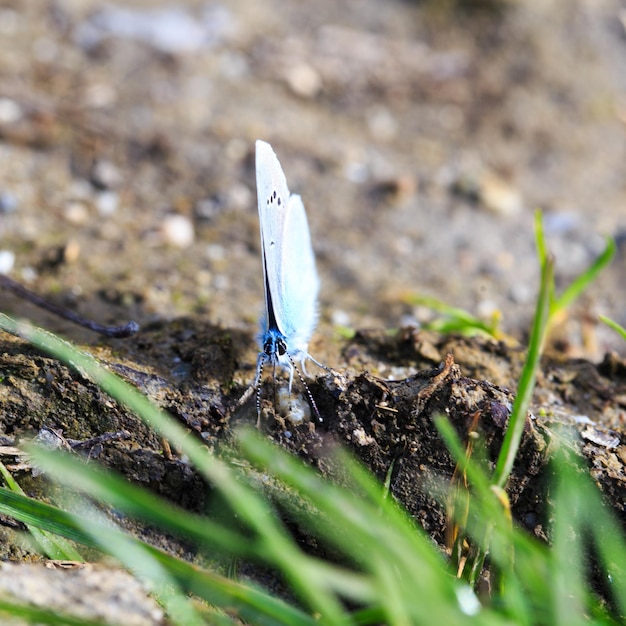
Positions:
{"x": 290, "y": 278}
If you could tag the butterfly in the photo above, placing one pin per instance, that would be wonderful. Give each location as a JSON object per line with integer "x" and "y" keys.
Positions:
{"x": 289, "y": 275}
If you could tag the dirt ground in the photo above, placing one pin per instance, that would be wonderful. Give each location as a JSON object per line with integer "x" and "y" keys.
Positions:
{"x": 421, "y": 136}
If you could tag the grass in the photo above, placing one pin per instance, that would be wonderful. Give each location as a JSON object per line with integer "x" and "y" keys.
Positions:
{"x": 620, "y": 330}
{"x": 455, "y": 320}
{"x": 386, "y": 569}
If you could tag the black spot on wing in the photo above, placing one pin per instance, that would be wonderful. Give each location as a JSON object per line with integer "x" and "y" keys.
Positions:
{"x": 273, "y": 198}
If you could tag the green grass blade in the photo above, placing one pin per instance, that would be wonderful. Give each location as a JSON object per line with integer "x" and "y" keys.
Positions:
{"x": 614, "y": 325}
{"x": 540, "y": 239}
{"x": 455, "y": 319}
{"x": 380, "y": 539}
{"x": 252, "y": 604}
{"x": 142, "y": 561}
{"x": 515, "y": 428}
{"x": 136, "y": 502}
{"x": 582, "y": 521}
{"x": 566, "y": 570}
{"x": 43, "y": 516}
{"x": 274, "y": 542}
{"x": 580, "y": 283}
{"x": 53, "y": 546}
{"x": 599, "y": 522}
{"x": 37, "y": 615}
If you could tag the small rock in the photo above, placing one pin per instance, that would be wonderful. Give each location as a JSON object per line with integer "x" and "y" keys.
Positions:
{"x": 239, "y": 197}
{"x": 8, "y": 203}
{"x": 71, "y": 251}
{"x": 106, "y": 203}
{"x": 340, "y": 318}
{"x": 498, "y": 195}
{"x": 601, "y": 437}
{"x": 178, "y": 230}
{"x": 382, "y": 124}
{"x": 100, "y": 95}
{"x": 292, "y": 406}
{"x": 304, "y": 80}
{"x": 171, "y": 30}
{"x": 356, "y": 172}
{"x": 209, "y": 208}
{"x": 76, "y": 213}
{"x": 215, "y": 252}
{"x": 10, "y": 111}
{"x": 105, "y": 175}
{"x": 7, "y": 260}
{"x": 396, "y": 190}
{"x": 490, "y": 190}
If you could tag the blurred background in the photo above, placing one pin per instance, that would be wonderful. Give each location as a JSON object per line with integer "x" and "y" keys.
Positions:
{"x": 422, "y": 137}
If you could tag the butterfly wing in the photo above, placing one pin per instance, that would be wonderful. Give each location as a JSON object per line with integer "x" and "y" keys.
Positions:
{"x": 290, "y": 278}
{"x": 299, "y": 283}
{"x": 272, "y": 196}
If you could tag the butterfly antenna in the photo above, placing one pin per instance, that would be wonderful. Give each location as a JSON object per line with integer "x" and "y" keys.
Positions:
{"x": 308, "y": 391}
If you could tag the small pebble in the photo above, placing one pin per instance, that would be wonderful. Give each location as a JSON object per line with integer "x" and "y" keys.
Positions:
{"x": 29, "y": 274}
{"x": 106, "y": 203}
{"x": 76, "y": 213}
{"x": 340, "y": 318}
{"x": 100, "y": 95}
{"x": 304, "y": 80}
{"x": 560, "y": 223}
{"x": 521, "y": 293}
{"x": 239, "y": 197}
{"x": 498, "y": 195}
{"x": 209, "y": 208}
{"x": 382, "y": 125}
{"x": 178, "y": 230}
{"x": 71, "y": 252}
{"x": 8, "y": 203}
{"x": 486, "y": 309}
{"x": 292, "y": 406}
{"x": 7, "y": 260}
{"x": 215, "y": 252}
{"x": 105, "y": 175}
{"x": 489, "y": 189}
{"x": 10, "y": 111}
{"x": 396, "y": 190}
{"x": 356, "y": 172}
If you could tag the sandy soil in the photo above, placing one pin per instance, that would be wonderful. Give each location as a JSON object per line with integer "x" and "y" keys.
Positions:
{"x": 421, "y": 140}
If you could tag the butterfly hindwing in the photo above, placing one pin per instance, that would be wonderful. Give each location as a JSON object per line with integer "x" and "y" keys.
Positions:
{"x": 296, "y": 297}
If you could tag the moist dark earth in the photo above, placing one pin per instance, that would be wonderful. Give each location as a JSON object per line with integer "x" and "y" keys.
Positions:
{"x": 422, "y": 138}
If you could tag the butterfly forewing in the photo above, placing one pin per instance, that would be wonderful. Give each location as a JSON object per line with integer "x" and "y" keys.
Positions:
{"x": 273, "y": 195}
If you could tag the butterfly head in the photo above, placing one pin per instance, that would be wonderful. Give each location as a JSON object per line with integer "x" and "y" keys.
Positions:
{"x": 274, "y": 345}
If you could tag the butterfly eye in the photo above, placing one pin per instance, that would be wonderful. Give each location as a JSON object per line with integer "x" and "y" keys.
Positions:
{"x": 281, "y": 347}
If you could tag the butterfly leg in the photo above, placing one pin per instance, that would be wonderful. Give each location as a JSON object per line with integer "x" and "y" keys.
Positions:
{"x": 324, "y": 367}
